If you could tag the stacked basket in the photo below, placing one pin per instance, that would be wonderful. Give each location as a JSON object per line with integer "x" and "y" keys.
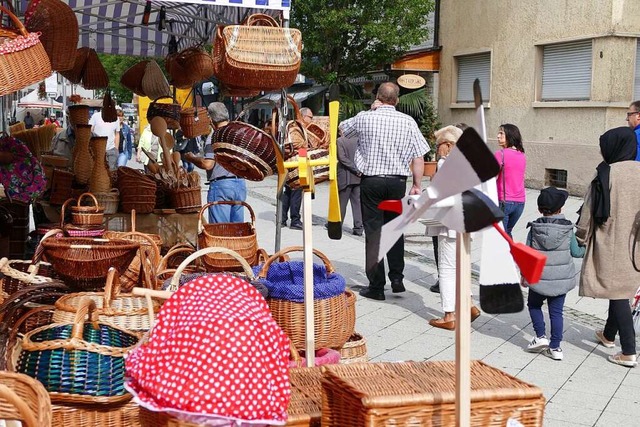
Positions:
{"x": 137, "y": 191}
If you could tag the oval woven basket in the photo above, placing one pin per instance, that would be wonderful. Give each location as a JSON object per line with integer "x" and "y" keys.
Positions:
{"x": 83, "y": 263}
{"x": 79, "y": 362}
{"x": 59, "y": 27}
{"x": 124, "y": 310}
{"x": 240, "y": 237}
{"x": 330, "y": 314}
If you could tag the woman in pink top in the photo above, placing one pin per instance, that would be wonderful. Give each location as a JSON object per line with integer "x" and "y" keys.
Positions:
{"x": 511, "y": 193}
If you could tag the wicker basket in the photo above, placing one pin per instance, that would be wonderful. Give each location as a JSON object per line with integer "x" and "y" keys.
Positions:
{"x": 80, "y": 362}
{"x": 87, "y": 215}
{"x": 29, "y": 320}
{"x": 186, "y": 199}
{"x": 38, "y": 139}
{"x": 423, "y": 393}
{"x": 260, "y": 57}
{"x": 194, "y": 121}
{"x": 330, "y": 314}
{"x": 59, "y": 27}
{"x": 25, "y": 61}
{"x": 137, "y": 191}
{"x": 19, "y": 274}
{"x": 61, "y": 186}
{"x": 79, "y": 114}
{"x": 74, "y": 75}
{"x": 196, "y": 64}
{"x": 240, "y": 237}
{"x": 94, "y": 76}
{"x": 306, "y": 397}
{"x": 25, "y": 399}
{"x": 354, "y": 350}
{"x": 132, "y": 78}
{"x": 154, "y": 84}
{"x": 83, "y": 263}
{"x": 109, "y": 201}
{"x": 123, "y": 415}
{"x": 17, "y": 127}
{"x": 126, "y": 311}
{"x": 170, "y": 112}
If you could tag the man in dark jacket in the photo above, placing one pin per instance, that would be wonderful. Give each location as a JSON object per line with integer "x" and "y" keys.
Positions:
{"x": 349, "y": 182}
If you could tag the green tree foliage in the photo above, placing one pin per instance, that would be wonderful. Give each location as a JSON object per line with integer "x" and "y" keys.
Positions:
{"x": 346, "y": 38}
{"x": 418, "y": 105}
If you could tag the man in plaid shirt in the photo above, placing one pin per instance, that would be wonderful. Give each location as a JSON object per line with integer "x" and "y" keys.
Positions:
{"x": 388, "y": 143}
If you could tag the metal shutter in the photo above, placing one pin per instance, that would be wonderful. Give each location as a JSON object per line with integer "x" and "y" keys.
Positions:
{"x": 473, "y": 67}
{"x": 636, "y": 85}
{"x": 566, "y": 71}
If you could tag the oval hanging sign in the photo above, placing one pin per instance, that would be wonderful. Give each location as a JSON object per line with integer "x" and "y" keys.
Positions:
{"x": 411, "y": 81}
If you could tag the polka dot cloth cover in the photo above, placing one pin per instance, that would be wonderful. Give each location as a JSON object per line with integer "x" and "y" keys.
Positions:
{"x": 214, "y": 354}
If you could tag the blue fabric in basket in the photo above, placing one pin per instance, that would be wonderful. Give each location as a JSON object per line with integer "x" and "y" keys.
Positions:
{"x": 285, "y": 281}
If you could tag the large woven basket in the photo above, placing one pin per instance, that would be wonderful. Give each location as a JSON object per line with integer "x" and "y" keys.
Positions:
{"x": 124, "y": 310}
{"x": 24, "y": 60}
{"x": 59, "y": 27}
{"x": 24, "y": 399}
{"x": 121, "y": 415}
{"x": 306, "y": 397}
{"x": 240, "y": 237}
{"x": 263, "y": 57}
{"x": 81, "y": 362}
{"x": 186, "y": 199}
{"x": 330, "y": 314}
{"x": 194, "y": 121}
{"x": 170, "y": 112}
{"x": 423, "y": 393}
{"x": 142, "y": 269}
{"x": 189, "y": 66}
{"x": 83, "y": 263}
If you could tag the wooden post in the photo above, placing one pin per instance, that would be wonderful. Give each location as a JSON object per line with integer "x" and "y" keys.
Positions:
{"x": 463, "y": 330}
{"x": 307, "y": 242}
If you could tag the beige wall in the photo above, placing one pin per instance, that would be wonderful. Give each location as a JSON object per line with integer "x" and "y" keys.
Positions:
{"x": 559, "y": 135}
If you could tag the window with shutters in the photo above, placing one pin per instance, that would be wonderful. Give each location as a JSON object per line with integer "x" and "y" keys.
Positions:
{"x": 566, "y": 71}
{"x": 471, "y": 67}
{"x": 636, "y": 82}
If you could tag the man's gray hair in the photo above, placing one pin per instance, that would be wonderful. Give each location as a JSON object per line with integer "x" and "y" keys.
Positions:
{"x": 218, "y": 112}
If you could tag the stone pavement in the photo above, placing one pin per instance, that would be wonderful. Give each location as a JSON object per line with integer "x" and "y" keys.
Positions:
{"x": 584, "y": 389}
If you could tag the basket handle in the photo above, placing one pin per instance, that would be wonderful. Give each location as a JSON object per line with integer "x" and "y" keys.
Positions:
{"x": 37, "y": 255}
{"x": 224, "y": 202}
{"x": 253, "y": 105}
{"x": 176, "y": 249}
{"x": 155, "y": 101}
{"x": 133, "y": 219}
{"x": 261, "y": 19}
{"x": 274, "y": 257}
{"x": 62, "y": 212}
{"x": 19, "y": 25}
{"x": 213, "y": 250}
{"x": 111, "y": 290}
{"x": 87, "y": 306}
{"x": 144, "y": 254}
{"x": 295, "y": 354}
{"x": 26, "y": 414}
{"x": 296, "y": 108}
{"x": 95, "y": 201}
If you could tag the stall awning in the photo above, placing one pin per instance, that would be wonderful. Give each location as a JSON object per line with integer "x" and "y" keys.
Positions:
{"x": 300, "y": 95}
{"x": 31, "y": 100}
{"x": 420, "y": 61}
{"x": 115, "y": 26}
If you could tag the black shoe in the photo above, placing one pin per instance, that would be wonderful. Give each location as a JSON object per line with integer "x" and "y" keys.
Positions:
{"x": 283, "y": 223}
{"x": 371, "y": 294}
{"x": 435, "y": 288}
{"x": 357, "y": 232}
{"x": 397, "y": 287}
{"x": 296, "y": 226}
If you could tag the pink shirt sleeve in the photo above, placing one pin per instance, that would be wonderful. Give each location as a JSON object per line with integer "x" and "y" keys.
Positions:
{"x": 510, "y": 181}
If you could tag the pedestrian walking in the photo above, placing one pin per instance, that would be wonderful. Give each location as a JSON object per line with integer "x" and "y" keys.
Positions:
{"x": 349, "y": 182}
{"x": 608, "y": 220}
{"x": 552, "y": 234}
{"x": 633, "y": 118}
{"x": 388, "y": 143}
{"x": 510, "y": 181}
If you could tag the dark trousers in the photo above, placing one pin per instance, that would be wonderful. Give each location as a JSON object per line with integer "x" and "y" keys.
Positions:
{"x": 291, "y": 202}
{"x": 619, "y": 320}
{"x": 351, "y": 193}
{"x": 556, "y": 305}
{"x": 373, "y": 190}
{"x": 434, "y": 240}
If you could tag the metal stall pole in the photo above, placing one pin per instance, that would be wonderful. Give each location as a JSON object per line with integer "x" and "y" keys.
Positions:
{"x": 282, "y": 128}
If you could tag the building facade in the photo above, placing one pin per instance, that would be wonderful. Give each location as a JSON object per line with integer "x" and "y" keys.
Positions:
{"x": 562, "y": 71}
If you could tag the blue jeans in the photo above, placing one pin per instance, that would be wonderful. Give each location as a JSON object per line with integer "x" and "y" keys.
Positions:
{"x": 227, "y": 189}
{"x": 512, "y": 212}
{"x": 556, "y": 305}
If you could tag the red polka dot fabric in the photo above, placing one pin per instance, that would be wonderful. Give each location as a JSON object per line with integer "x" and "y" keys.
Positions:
{"x": 215, "y": 352}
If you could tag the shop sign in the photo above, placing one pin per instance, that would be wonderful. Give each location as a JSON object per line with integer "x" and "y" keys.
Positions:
{"x": 411, "y": 81}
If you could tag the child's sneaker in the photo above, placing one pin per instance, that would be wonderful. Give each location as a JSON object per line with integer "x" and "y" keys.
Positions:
{"x": 538, "y": 344}
{"x": 553, "y": 353}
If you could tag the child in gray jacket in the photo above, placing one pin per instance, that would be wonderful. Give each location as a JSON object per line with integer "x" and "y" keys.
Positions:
{"x": 552, "y": 234}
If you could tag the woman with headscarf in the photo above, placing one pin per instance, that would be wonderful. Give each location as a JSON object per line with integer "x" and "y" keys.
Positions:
{"x": 607, "y": 225}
